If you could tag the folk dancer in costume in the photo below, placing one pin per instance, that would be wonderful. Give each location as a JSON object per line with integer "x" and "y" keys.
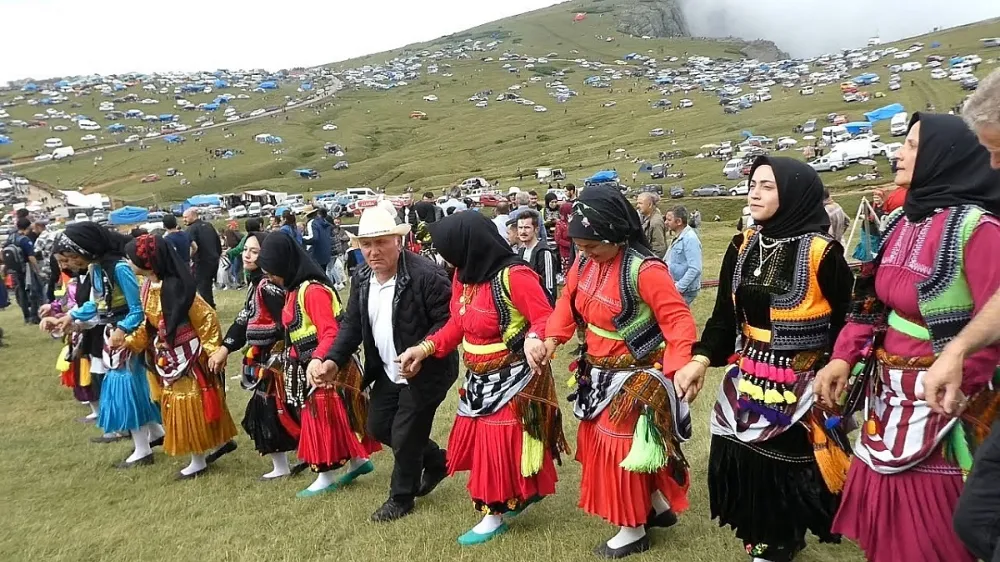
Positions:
{"x": 180, "y": 333}
{"x": 397, "y": 299}
{"x": 73, "y": 365}
{"x": 508, "y": 429}
{"x": 110, "y": 307}
{"x": 270, "y": 423}
{"x": 785, "y": 287}
{"x": 639, "y": 332}
{"x": 333, "y": 411}
{"x": 936, "y": 270}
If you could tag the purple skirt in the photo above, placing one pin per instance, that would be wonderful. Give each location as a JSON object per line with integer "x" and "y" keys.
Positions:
{"x": 903, "y": 517}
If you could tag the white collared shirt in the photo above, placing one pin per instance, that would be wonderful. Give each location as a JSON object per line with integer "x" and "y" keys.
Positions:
{"x": 380, "y": 297}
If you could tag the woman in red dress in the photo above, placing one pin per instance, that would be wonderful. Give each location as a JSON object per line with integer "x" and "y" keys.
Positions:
{"x": 639, "y": 331}
{"x": 333, "y": 413}
{"x": 508, "y": 429}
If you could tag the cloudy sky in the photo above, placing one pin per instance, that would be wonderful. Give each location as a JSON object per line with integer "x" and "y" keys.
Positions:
{"x": 44, "y": 38}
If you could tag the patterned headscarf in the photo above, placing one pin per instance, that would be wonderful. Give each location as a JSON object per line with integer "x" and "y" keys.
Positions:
{"x": 603, "y": 214}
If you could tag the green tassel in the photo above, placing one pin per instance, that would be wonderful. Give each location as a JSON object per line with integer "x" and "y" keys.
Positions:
{"x": 532, "y": 452}
{"x": 647, "y": 454}
{"x": 957, "y": 449}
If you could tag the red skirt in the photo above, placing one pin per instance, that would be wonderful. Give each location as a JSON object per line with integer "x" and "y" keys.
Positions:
{"x": 902, "y": 517}
{"x": 327, "y": 439}
{"x": 609, "y": 491}
{"x": 489, "y": 447}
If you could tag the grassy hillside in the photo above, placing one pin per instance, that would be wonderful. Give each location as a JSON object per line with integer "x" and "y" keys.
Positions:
{"x": 386, "y": 148}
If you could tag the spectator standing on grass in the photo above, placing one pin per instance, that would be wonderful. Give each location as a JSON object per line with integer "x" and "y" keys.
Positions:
{"x": 289, "y": 226}
{"x": 318, "y": 237}
{"x": 407, "y": 213}
{"x": 340, "y": 243}
{"x": 539, "y": 256}
{"x": 524, "y": 203}
{"x": 207, "y": 251}
{"x": 501, "y": 218}
{"x": 838, "y": 218}
{"x": 19, "y": 260}
{"x": 426, "y": 209}
{"x": 652, "y": 222}
{"x": 684, "y": 255}
{"x": 177, "y": 238}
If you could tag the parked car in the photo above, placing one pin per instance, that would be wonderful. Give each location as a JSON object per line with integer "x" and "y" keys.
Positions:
{"x": 676, "y": 192}
{"x": 708, "y": 191}
{"x": 741, "y": 188}
{"x": 150, "y": 178}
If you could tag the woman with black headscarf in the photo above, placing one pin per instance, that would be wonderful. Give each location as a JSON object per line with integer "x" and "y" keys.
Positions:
{"x": 937, "y": 267}
{"x": 333, "y": 412}
{"x": 783, "y": 288}
{"x": 181, "y": 331}
{"x": 273, "y": 427}
{"x": 109, "y": 308}
{"x": 638, "y": 332}
{"x": 508, "y": 429}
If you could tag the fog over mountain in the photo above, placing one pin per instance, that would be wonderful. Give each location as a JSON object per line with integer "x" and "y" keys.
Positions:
{"x": 812, "y": 27}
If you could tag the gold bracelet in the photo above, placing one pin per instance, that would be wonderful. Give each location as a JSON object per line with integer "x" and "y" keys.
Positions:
{"x": 702, "y": 359}
{"x": 428, "y": 347}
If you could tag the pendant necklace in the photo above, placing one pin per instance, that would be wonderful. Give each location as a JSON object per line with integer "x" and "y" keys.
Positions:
{"x": 772, "y": 246}
{"x": 466, "y": 297}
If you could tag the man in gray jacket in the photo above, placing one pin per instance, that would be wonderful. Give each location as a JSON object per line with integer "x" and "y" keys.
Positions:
{"x": 652, "y": 222}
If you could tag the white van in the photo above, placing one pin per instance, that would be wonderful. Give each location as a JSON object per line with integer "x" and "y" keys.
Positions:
{"x": 732, "y": 167}
{"x": 835, "y": 133}
{"x": 53, "y": 142}
{"x": 362, "y": 192}
{"x": 62, "y": 152}
{"x": 254, "y": 209}
{"x": 897, "y": 126}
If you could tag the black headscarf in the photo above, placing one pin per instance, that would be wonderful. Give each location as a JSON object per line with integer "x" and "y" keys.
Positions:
{"x": 471, "y": 243}
{"x": 602, "y": 213}
{"x": 549, "y": 198}
{"x": 95, "y": 243}
{"x": 177, "y": 286}
{"x": 800, "y": 199}
{"x": 281, "y": 255}
{"x": 952, "y": 169}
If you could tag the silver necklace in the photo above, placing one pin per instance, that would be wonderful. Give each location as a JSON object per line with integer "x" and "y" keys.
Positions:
{"x": 772, "y": 247}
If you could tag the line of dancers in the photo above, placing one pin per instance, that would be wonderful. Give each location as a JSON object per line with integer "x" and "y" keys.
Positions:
{"x": 794, "y": 329}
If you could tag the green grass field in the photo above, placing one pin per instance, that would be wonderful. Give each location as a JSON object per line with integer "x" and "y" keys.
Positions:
{"x": 387, "y": 148}
{"x": 64, "y": 501}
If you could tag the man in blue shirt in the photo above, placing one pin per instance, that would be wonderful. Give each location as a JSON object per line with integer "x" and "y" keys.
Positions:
{"x": 684, "y": 254}
{"x": 177, "y": 238}
{"x": 24, "y": 267}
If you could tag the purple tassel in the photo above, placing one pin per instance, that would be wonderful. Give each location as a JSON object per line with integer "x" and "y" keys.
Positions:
{"x": 744, "y": 404}
{"x": 733, "y": 372}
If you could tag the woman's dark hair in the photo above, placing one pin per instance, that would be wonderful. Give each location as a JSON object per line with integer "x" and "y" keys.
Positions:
{"x": 253, "y": 225}
{"x": 288, "y": 218}
{"x": 169, "y": 222}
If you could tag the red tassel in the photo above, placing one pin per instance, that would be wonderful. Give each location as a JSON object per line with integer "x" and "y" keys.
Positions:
{"x": 210, "y": 404}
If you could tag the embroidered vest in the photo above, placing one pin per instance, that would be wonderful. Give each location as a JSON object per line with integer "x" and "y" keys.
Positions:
{"x": 261, "y": 328}
{"x": 302, "y": 333}
{"x": 635, "y": 323}
{"x": 800, "y": 318}
{"x": 111, "y": 303}
{"x": 513, "y": 325}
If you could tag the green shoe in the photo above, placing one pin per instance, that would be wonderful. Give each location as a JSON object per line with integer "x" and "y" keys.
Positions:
{"x": 519, "y": 510}
{"x": 307, "y": 493}
{"x": 353, "y": 475}
{"x": 471, "y": 537}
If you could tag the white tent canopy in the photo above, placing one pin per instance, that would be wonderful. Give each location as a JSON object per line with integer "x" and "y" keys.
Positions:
{"x": 83, "y": 200}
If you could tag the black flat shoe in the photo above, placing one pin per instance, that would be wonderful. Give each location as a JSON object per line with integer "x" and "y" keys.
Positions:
{"x": 104, "y": 439}
{"x": 664, "y": 520}
{"x": 144, "y": 461}
{"x": 229, "y": 447}
{"x": 158, "y": 442}
{"x": 605, "y": 551}
{"x": 430, "y": 480}
{"x": 391, "y": 510}
{"x": 181, "y": 476}
{"x": 299, "y": 468}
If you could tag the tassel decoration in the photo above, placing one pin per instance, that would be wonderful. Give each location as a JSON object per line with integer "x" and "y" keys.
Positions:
{"x": 647, "y": 454}
{"x": 832, "y": 461}
{"x": 790, "y": 397}
{"x": 772, "y": 396}
{"x": 532, "y": 453}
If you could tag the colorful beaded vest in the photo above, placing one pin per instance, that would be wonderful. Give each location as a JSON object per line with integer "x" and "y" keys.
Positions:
{"x": 513, "y": 325}
{"x": 302, "y": 333}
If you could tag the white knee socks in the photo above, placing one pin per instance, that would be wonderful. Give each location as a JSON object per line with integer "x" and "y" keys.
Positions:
{"x": 197, "y": 464}
{"x": 323, "y": 480}
{"x": 660, "y": 503}
{"x": 154, "y": 430}
{"x": 141, "y": 441}
{"x": 626, "y": 536}
{"x": 489, "y": 524}
{"x": 279, "y": 462}
{"x": 356, "y": 463}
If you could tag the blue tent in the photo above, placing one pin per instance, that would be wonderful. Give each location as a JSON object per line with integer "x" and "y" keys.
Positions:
{"x": 29, "y": 87}
{"x": 865, "y": 79}
{"x": 603, "y": 176}
{"x": 883, "y": 113}
{"x": 116, "y": 128}
{"x": 166, "y": 117}
{"x": 220, "y": 83}
{"x": 858, "y": 127}
{"x": 746, "y": 134}
{"x": 268, "y": 85}
{"x": 956, "y": 60}
{"x": 935, "y": 44}
{"x": 211, "y": 106}
{"x": 173, "y": 139}
{"x": 278, "y": 211}
{"x": 5, "y": 140}
{"x": 201, "y": 200}
{"x": 306, "y": 87}
{"x": 62, "y": 84}
{"x": 128, "y": 215}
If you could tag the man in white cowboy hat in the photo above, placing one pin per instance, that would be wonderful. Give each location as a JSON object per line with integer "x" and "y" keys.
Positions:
{"x": 397, "y": 299}
{"x": 318, "y": 236}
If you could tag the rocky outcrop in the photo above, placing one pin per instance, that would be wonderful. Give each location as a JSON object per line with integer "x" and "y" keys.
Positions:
{"x": 652, "y": 18}
{"x": 763, "y": 50}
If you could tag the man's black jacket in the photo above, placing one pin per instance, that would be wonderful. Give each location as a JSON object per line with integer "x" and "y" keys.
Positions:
{"x": 420, "y": 307}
